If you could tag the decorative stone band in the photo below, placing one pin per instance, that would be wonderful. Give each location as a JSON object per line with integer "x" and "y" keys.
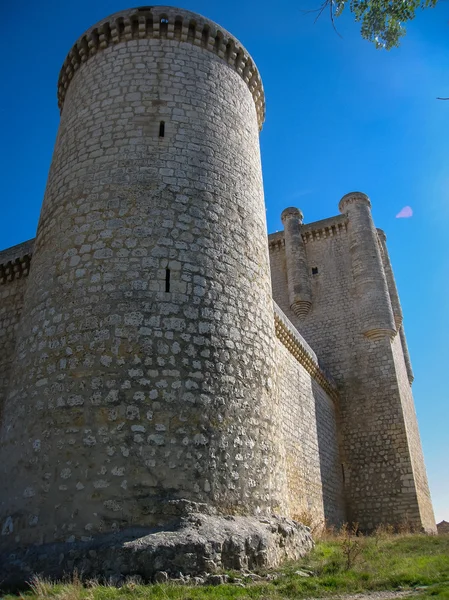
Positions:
{"x": 301, "y": 308}
{"x": 164, "y": 22}
{"x": 15, "y": 262}
{"x": 379, "y": 334}
{"x": 298, "y": 347}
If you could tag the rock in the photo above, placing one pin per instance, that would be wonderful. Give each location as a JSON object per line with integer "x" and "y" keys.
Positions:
{"x": 215, "y": 579}
{"x": 302, "y": 574}
{"x": 134, "y": 580}
{"x": 194, "y": 545}
{"x": 116, "y": 580}
{"x": 254, "y": 576}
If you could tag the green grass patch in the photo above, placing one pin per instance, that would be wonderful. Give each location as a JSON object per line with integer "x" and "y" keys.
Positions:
{"x": 343, "y": 565}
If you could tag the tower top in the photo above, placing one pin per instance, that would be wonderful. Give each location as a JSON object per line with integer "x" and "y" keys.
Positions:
{"x": 353, "y": 198}
{"x": 164, "y": 22}
{"x": 292, "y": 211}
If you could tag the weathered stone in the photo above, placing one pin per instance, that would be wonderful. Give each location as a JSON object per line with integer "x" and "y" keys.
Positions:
{"x": 216, "y": 579}
{"x": 146, "y": 375}
{"x": 355, "y": 328}
{"x": 186, "y": 551}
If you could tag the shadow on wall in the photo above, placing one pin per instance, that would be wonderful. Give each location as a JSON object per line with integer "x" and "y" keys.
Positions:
{"x": 330, "y": 463}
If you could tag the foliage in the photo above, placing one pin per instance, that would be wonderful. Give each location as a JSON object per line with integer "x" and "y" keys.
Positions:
{"x": 385, "y": 562}
{"x": 382, "y": 21}
{"x": 351, "y": 545}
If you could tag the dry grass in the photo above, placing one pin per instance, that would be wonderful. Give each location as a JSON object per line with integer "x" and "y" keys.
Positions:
{"x": 344, "y": 563}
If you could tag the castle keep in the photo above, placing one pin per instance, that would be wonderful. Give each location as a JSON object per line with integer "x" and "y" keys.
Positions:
{"x": 150, "y": 354}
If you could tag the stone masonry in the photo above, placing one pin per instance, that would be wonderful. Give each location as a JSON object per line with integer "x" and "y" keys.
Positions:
{"x": 144, "y": 362}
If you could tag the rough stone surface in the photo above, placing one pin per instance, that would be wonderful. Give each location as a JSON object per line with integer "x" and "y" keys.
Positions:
{"x": 143, "y": 360}
{"x": 199, "y": 544}
{"x": 443, "y": 528}
{"x": 309, "y": 428}
{"x": 382, "y": 465}
{"x": 127, "y": 389}
{"x": 14, "y": 269}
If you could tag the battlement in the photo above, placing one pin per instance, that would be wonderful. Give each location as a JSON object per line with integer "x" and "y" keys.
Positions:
{"x": 164, "y": 22}
{"x": 15, "y": 261}
{"x": 312, "y": 231}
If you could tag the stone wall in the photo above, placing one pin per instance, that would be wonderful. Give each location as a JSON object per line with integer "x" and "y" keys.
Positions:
{"x": 14, "y": 267}
{"x": 145, "y": 361}
{"x": 309, "y": 428}
{"x": 383, "y": 467}
{"x": 331, "y": 322}
{"x": 416, "y": 454}
{"x": 150, "y": 369}
{"x": 443, "y": 528}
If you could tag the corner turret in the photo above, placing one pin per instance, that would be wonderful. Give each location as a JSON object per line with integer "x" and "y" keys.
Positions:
{"x": 299, "y": 289}
{"x": 370, "y": 283}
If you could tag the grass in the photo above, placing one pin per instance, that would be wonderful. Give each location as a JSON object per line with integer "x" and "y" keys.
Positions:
{"x": 345, "y": 564}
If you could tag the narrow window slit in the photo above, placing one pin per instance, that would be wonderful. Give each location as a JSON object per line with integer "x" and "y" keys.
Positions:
{"x": 162, "y": 129}
{"x": 314, "y": 270}
{"x": 167, "y": 280}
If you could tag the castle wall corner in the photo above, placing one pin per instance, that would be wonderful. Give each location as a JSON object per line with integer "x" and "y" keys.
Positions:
{"x": 307, "y": 400}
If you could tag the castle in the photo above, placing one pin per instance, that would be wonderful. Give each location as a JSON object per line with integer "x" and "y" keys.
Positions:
{"x": 155, "y": 347}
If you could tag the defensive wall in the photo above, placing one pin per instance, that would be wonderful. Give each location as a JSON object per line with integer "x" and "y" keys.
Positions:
{"x": 351, "y": 320}
{"x": 14, "y": 268}
{"x": 305, "y": 395}
{"x": 144, "y": 362}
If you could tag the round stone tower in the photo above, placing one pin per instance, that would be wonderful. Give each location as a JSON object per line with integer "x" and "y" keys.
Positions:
{"x": 370, "y": 284}
{"x": 145, "y": 358}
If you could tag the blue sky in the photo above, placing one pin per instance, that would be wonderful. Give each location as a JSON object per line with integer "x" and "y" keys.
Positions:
{"x": 341, "y": 116}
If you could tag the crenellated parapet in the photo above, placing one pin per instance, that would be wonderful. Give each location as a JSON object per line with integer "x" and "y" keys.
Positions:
{"x": 15, "y": 262}
{"x": 163, "y": 22}
{"x": 326, "y": 228}
{"x": 311, "y": 232}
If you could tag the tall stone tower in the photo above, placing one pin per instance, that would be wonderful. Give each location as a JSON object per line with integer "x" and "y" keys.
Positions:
{"x": 165, "y": 401}
{"x": 144, "y": 361}
{"x": 334, "y": 281}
